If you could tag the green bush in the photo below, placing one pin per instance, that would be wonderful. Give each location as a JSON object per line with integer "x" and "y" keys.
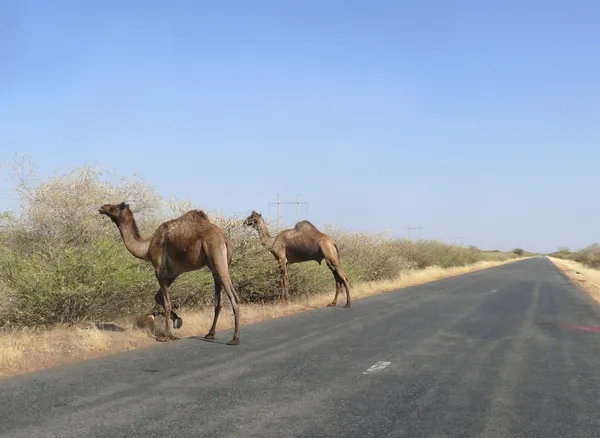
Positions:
{"x": 62, "y": 262}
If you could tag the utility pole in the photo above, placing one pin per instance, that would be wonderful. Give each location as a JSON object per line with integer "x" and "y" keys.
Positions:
{"x": 414, "y": 228}
{"x": 461, "y": 239}
{"x": 279, "y": 202}
{"x": 298, "y": 207}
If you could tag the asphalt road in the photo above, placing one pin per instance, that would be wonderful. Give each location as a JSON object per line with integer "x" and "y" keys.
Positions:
{"x": 495, "y": 353}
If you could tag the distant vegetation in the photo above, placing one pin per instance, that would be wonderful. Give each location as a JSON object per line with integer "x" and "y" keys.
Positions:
{"x": 61, "y": 261}
{"x": 588, "y": 256}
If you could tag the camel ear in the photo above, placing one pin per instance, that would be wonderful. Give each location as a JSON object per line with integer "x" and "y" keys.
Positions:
{"x": 122, "y": 206}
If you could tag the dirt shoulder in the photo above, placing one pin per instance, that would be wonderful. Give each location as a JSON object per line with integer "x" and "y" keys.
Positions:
{"x": 26, "y": 350}
{"x": 588, "y": 279}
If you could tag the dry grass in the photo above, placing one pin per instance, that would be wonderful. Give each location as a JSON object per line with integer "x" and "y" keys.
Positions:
{"x": 587, "y": 278}
{"x": 26, "y": 350}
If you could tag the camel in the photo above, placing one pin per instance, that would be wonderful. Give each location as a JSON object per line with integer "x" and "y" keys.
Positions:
{"x": 180, "y": 245}
{"x": 300, "y": 244}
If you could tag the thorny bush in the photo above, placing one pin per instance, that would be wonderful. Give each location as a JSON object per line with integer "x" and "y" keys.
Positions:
{"x": 61, "y": 261}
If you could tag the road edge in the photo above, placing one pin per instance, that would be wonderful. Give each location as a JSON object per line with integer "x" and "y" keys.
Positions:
{"x": 572, "y": 281}
{"x": 145, "y": 341}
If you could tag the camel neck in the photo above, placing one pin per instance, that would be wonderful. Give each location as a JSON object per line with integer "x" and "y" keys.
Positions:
{"x": 265, "y": 236}
{"x": 135, "y": 244}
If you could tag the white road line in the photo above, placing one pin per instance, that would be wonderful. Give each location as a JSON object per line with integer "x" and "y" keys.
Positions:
{"x": 377, "y": 367}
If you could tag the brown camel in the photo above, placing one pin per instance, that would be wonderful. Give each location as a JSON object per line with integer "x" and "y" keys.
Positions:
{"x": 180, "y": 245}
{"x": 302, "y": 243}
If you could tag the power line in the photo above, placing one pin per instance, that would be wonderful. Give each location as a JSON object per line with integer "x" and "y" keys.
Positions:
{"x": 418, "y": 228}
{"x": 279, "y": 202}
{"x": 458, "y": 237}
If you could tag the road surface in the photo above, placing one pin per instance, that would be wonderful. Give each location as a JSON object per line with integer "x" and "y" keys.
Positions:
{"x": 496, "y": 353}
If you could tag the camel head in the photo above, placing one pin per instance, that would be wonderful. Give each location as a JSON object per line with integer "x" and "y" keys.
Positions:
{"x": 253, "y": 220}
{"x": 115, "y": 211}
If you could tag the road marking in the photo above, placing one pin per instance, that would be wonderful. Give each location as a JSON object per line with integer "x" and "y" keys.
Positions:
{"x": 377, "y": 367}
{"x": 494, "y": 290}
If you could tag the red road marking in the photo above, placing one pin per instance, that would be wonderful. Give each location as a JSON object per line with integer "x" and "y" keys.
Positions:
{"x": 582, "y": 327}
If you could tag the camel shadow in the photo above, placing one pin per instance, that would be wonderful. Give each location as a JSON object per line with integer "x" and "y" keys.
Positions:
{"x": 212, "y": 341}
{"x": 109, "y": 327}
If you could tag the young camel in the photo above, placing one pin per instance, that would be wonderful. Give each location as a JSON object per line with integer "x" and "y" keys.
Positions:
{"x": 180, "y": 245}
{"x": 302, "y": 243}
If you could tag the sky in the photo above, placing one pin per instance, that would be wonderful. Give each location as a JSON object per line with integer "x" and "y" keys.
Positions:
{"x": 470, "y": 118}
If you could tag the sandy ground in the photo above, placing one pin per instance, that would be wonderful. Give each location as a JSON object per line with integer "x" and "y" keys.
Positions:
{"x": 588, "y": 279}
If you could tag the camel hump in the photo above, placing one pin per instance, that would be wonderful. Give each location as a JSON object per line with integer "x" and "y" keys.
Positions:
{"x": 196, "y": 215}
{"x": 305, "y": 226}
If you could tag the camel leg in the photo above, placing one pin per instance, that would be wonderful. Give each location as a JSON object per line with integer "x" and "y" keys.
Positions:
{"x": 338, "y": 284}
{"x": 177, "y": 321}
{"x": 338, "y": 287}
{"x": 164, "y": 280}
{"x": 167, "y": 305}
{"x": 234, "y": 300}
{"x": 219, "y": 265}
{"x": 218, "y": 296}
{"x": 285, "y": 294}
{"x": 346, "y": 286}
{"x": 340, "y": 279}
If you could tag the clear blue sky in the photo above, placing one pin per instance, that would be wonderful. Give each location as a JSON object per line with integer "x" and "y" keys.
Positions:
{"x": 476, "y": 118}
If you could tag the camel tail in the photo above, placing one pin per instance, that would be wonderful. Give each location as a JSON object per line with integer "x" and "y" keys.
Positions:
{"x": 229, "y": 252}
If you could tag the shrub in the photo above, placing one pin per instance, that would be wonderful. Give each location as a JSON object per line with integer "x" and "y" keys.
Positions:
{"x": 589, "y": 256}
{"x": 61, "y": 261}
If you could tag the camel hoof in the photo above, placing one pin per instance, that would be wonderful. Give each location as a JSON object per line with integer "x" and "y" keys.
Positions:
{"x": 331, "y": 305}
{"x": 177, "y": 323}
{"x": 162, "y": 339}
{"x": 234, "y": 341}
{"x": 209, "y": 336}
{"x": 347, "y": 305}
